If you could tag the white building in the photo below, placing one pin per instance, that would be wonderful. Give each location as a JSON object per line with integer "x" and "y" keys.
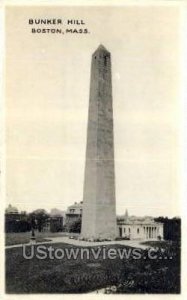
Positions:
{"x": 144, "y": 228}
{"x": 73, "y": 213}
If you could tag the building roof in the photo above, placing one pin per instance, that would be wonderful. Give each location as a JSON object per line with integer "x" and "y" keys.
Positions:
{"x": 135, "y": 220}
{"x": 76, "y": 205}
{"x": 11, "y": 210}
{"x": 57, "y": 213}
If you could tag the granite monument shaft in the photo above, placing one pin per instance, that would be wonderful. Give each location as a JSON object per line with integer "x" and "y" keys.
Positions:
{"x": 99, "y": 204}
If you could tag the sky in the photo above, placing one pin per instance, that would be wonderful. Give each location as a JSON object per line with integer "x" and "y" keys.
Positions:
{"x": 47, "y": 97}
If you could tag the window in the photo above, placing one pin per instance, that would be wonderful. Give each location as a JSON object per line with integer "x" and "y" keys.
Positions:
{"x": 124, "y": 230}
{"x": 105, "y": 60}
{"x": 129, "y": 230}
{"x": 138, "y": 230}
{"x": 120, "y": 231}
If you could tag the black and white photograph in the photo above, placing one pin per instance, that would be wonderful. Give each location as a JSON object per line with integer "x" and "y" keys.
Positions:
{"x": 92, "y": 133}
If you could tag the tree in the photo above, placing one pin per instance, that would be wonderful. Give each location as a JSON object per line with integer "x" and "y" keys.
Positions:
{"x": 75, "y": 226}
{"x": 39, "y": 218}
{"x": 172, "y": 228}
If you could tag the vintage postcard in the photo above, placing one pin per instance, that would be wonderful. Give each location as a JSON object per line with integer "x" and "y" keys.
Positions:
{"x": 93, "y": 188}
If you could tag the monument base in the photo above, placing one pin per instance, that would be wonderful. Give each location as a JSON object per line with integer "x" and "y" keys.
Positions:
{"x": 97, "y": 239}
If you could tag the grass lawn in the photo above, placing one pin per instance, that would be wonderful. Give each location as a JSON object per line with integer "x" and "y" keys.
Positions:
{"x": 161, "y": 244}
{"x": 81, "y": 276}
{"x": 24, "y": 237}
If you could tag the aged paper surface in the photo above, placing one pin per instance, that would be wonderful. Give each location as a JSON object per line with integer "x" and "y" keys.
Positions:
{"x": 92, "y": 154}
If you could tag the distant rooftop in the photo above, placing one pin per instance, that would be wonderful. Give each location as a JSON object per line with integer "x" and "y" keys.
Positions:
{"x": 11, "y": 210}
{"x": 56, "y": 212}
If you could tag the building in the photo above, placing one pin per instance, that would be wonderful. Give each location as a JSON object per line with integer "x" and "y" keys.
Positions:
{"x": 16, "y": 221}
{"x": 11, "y": 210}
{"x": 56, "y": 223}
{"x": 12, "y": 213}
{"x": 99, "y": 203}
{"x": 56, "y": 220}
{"x": 73, "y": 214}
{"x": 138, "y": 228}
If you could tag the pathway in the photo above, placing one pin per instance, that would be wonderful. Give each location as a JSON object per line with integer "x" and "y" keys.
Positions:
{"x": 64, "y": 239}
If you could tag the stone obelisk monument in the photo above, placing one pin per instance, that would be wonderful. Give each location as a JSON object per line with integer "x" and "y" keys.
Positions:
{"x": 99, "y": 205}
